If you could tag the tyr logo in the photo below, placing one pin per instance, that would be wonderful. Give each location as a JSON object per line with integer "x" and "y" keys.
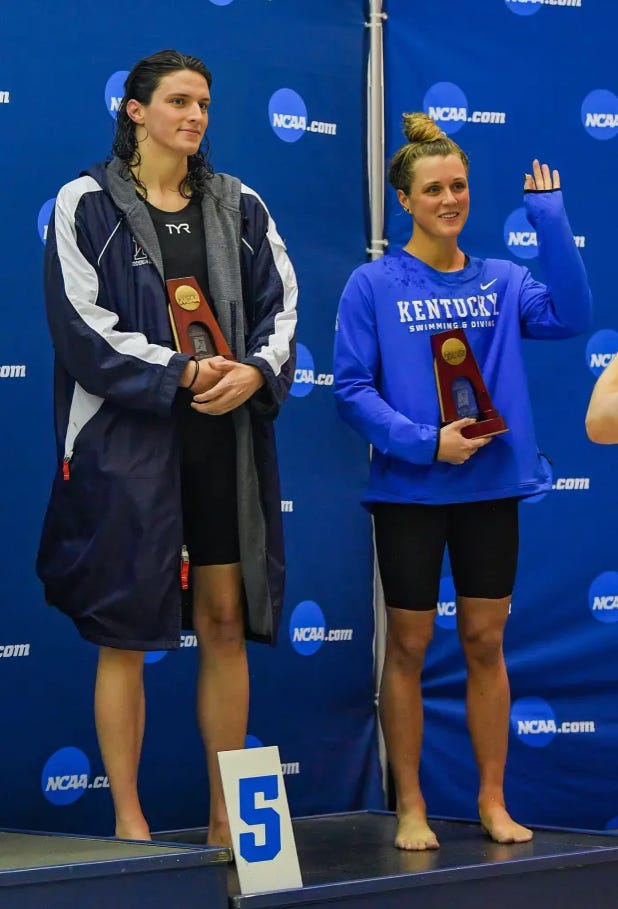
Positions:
{"x": 178, "y": 227}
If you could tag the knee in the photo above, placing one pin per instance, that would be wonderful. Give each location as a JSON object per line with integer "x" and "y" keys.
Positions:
{"x": 483, "y": 646}
{"x": 219, "y": 625}
{"x": 407, "y": 652}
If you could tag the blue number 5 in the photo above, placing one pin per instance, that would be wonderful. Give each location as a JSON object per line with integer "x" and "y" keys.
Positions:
{"x": 267, "y": 818}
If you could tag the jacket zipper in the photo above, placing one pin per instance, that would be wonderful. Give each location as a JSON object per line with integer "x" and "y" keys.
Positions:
{"x": 184, "y": 568}
{"x": 66, "y": 466}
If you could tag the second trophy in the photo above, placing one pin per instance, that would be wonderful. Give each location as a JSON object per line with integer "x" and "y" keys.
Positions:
{"x": 461, "y": 389}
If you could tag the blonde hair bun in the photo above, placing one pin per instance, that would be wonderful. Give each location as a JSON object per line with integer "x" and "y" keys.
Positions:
{"x": 419, "y": 127}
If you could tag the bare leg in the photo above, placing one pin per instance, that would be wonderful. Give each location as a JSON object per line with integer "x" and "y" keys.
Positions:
{"x": 481, "y": 628}
{"x": 120, "y": 709}
{"x": 401, "y": 715}
{"x": 223, "y": 679}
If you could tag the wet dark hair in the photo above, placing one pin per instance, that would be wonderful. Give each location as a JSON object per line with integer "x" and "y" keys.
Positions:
{"x": 425, "y": 139}
{"x": 140, "y": 84}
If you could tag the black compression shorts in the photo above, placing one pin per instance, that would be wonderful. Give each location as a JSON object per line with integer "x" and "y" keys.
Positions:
{"x": 482, "y": 540}
{"x": 208, "y": 483}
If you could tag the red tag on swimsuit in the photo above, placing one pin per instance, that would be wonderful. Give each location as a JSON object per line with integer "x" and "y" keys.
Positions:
{"x": 184, "y": 569}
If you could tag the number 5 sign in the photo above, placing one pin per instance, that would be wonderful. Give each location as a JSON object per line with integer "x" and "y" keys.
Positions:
{"x": 259, "y": 816}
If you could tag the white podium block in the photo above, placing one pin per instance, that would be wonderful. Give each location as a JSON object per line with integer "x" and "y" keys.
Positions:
{"x": 259, "y": 816}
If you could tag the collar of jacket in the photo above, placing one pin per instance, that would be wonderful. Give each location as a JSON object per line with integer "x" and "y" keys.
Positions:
{"x": 222, "y": 224}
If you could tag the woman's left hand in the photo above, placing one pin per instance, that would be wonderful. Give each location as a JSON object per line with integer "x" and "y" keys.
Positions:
{"x": 541, "y": 178}
{"x": 237, "y": 383}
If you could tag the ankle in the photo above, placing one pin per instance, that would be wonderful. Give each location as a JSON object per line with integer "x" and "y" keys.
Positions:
{"x": 491, "y": 799}
{"x": 411, "y": 805}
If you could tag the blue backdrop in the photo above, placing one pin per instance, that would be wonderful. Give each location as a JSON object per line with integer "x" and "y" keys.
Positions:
{"x": 510, "y": 80}
{"x": 61, "y": 77}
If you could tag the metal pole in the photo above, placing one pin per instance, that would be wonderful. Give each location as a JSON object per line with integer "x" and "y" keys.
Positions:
{"x": 375, "y": 138}
{"x": 377, "y": 243}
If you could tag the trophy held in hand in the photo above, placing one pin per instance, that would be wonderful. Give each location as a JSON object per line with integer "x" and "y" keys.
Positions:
{"x": 195, "y": 328}
{"x": 461, "y": 389}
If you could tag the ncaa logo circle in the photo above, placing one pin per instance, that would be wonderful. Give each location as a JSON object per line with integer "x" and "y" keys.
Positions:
{"x": 446, "y": 615}
{"x": 524, "y": 7}
{"x": 612, "y": 824}
{"x": 600, "y": 114}
{"x": 153, "y": 656}
{"x": 447, "y": 105}
{"x": 601, "y": 350}
{"x": 307, "y": 628}
{"x": 534, "y": 722}
{"x": 287, "y": 113}
{"x": 114, "y": 91}
{"x": 65, "y": 776}
{"x": 44, "y": 216}
{"x": 603, "y": 597}
{"x": 252, "y": 741}
{"x": 221, "y": 2}
{"x": 519, "y": 235}
{"x": 304, "y": 372}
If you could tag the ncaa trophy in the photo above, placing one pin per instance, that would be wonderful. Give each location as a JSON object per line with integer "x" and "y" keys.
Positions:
{"x": 461, "y": 389}
{"x": 195, "y": 328}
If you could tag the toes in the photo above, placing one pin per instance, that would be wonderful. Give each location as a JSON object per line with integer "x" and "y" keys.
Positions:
{"x": 418, "y": 843}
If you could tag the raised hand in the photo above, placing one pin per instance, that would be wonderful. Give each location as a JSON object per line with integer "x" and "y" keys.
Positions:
{"x": 455, "y": 448}
{"x": 541, "y": 179}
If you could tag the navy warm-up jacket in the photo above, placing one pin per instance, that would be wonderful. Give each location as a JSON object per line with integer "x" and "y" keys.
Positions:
{"x": 111, "y": 542}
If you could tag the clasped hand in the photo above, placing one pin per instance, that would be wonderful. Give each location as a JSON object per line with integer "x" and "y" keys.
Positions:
{"x": 223, "y": 385}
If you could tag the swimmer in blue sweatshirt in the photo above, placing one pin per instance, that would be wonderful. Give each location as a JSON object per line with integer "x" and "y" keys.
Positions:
{"x": 429, "y": 485}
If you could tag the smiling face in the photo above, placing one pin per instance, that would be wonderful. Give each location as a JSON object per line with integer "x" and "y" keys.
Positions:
{"x": 439, "y": 199}
{"x": 176, "y": 118}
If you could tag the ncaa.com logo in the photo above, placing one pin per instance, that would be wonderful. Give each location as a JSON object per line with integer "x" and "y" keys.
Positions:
{"x": 66, "y": 777}
{"x": 10, "y": 651}
{"x": 530, "y": 7}
{"x": 187, "y": 639}
{"x": 447, "y": 105}
{"x": 14, "y": 371}
{"x": 5, "y": 97}
{"x": 287, "y": 115}
{"x": 43, "y": 218}
{"x": 308, "y": 629}
{"x": 601, "y": 350}
{"x": 305, "y": 376}
{"x": 446, "y": 614}
{"x": 288, "y": 768}
{"x": 600, "y": 114}
{"x": 114, "y": 91}
{"x": 603, "y": 597}
{"x": 534, "y": 722}
{"x": 521, "y": 239}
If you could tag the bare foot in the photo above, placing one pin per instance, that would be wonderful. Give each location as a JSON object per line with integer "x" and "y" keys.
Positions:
{"x": 219, "y": 835}
{"x": 133, "y": 831}
{"x": 414, "y": 833}
{"x": 500, "y": 826}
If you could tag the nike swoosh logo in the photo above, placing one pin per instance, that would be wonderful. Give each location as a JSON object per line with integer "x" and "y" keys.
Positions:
{"x": 486, "y": 286}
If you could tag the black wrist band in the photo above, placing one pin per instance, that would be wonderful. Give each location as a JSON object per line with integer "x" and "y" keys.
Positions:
{"x": 197, "y": 369}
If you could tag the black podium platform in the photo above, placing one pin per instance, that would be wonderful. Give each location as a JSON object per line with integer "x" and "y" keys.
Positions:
{"x": 76, "y": 872}
{"x": 350, "y": 859}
